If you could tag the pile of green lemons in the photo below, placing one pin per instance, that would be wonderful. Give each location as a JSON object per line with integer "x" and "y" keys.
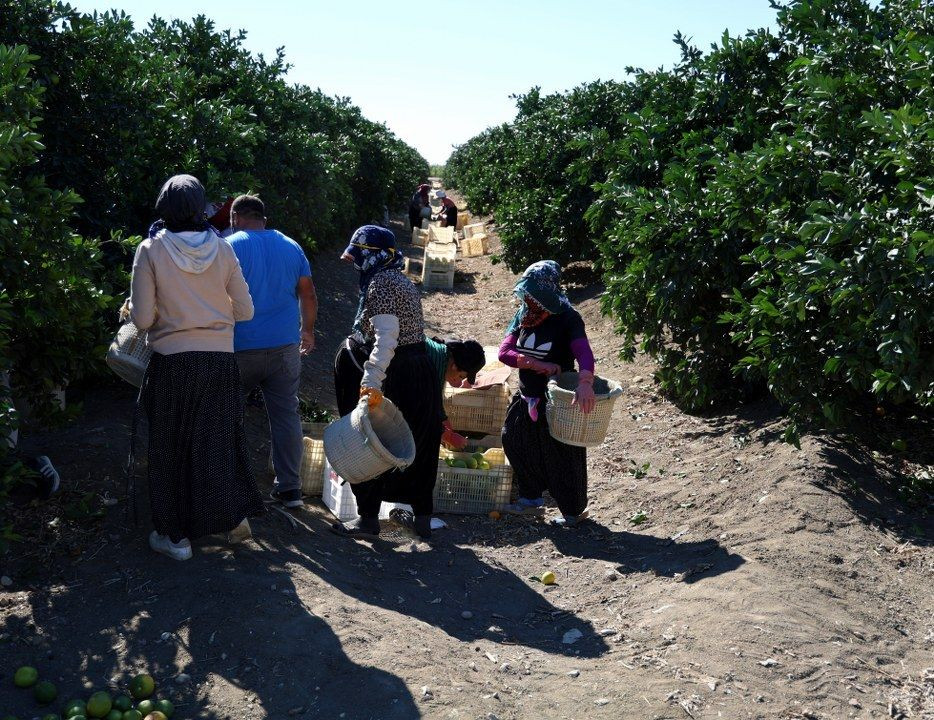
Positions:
{"x": 472, "y": 462}
{"x": 100, "y": 704}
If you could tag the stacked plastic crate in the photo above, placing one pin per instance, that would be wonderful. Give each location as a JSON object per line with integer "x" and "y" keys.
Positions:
{"x": 438, "y": 265}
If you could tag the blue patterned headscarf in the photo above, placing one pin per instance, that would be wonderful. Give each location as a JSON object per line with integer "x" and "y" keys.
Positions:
{"x": 542, "y": 282}
{"x": 373, "y": 249}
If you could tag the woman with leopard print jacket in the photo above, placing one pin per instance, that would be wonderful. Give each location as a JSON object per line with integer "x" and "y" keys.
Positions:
{"x": 385, "y": 354}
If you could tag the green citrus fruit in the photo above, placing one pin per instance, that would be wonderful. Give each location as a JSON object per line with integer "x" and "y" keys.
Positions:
{"x": 142, "y": 686}
{"x": 472, "y": 463}
{"x": 145, "y": 706}
{"x": 25, "y": 677}
{"x": 478, "y": 456}
{"x": 165, "y": 707}
{"x": 114, "y": 715}
{"x": 45, "y": 692}
{"x": 483, "y": 465}
{"x": 132, "y": 715}
{"x": 123, "y": 703}
{"x": 74, "y": 707}
{"x": 51, "y": 716}
{"x": 99, "y": 704}
{"x": 155, "y": 715}
{"x": 459, "y": 464}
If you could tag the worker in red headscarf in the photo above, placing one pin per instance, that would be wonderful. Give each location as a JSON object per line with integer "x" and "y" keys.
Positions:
{"x": 419, "y": 200}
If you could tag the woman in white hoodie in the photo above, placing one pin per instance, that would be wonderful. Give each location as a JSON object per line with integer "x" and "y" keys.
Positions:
{"x": 188, "y": 291}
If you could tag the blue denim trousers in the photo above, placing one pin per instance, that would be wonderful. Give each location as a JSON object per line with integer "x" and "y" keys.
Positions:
{"x": 277, "y": 371}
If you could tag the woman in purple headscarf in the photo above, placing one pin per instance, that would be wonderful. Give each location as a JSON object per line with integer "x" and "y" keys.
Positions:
{"x": 386, "y": 355}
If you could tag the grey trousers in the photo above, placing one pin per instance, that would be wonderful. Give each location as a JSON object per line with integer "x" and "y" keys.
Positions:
{"x": 277, "y": 371}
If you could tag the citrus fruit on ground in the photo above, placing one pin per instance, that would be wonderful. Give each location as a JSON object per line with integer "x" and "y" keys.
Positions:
{"x": 132, "y": 715}
{"x": 165, "y": 707}
{"x": 494, "y": 515}
{"x": 155, "y": 715}
{"x": 145, "y": 706}
{"x": 142, "y": 686}
{"x": 99, "y": 704}
{"x": 123, "y": 703}
{"x": 25, "y": 677}
{"x": 548, "y": 578}
{"x": 45, "y": 692}
{"x": 72, "y": 708}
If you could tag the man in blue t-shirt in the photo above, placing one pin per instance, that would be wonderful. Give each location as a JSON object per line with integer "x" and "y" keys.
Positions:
{"x": 269, "y": 347}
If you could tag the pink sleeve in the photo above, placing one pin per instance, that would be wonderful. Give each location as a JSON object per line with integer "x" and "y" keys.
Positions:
{"x": 581, "y": 350}
{"x": 508, "y": 355}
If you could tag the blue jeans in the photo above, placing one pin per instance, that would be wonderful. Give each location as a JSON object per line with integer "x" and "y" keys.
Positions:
{"x": 277, "y": 371}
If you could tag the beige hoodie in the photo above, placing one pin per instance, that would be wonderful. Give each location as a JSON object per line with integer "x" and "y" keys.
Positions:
{"x": 188, "y": 291}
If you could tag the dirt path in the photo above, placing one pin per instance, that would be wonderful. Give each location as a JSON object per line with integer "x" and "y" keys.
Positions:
{"x": 761, "y": 583}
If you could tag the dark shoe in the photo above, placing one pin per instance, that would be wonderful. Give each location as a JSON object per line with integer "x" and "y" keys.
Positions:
{"x": 402, "y": 518}
{"x": 48, "y": 482}
{"x": 423, "y": 526}
{"x": 289, "y": 498}
{"x": 359, "y": 528}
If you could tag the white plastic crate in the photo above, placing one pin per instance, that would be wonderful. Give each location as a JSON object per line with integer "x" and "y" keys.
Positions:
{"x": 473, "y": 491}
{"x": 443, "y": 279}
{"x": 339, "y": 498}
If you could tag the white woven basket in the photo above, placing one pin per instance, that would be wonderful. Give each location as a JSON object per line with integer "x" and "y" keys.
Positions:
{"x": 129, "y": 353}
{"x": 567, "y": 423}
{"x": 369, "y": 441}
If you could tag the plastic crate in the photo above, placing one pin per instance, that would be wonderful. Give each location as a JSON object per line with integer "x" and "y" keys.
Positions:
{"x": 474, "y": 246}
{"x": 441, "y": 234}
{"x": 438, "y": 265}
{"x": 419, "y": 237}
{"x": 481, "y": 411}
{"x": 465, "y": 491}
{"x": 339, "y": 498}
{"x": 474, "y": 229}
{"x": 312, "y": 467}
{"x": 438, "y": 279}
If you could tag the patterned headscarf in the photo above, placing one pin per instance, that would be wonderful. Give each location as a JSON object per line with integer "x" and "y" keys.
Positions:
{"x": 539, "y": 290}
{"x": 373, "y": 250}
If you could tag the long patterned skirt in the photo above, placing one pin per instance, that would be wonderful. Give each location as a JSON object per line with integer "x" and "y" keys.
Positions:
{"x": 540, "y": 462}
{"x": 200, "y": 480}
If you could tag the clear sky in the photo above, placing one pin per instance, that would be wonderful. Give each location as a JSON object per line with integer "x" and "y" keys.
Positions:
{"x": 439, "y": 73}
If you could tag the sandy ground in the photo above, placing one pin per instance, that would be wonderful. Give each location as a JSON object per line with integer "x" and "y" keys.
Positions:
{"x": 764, "y": 581}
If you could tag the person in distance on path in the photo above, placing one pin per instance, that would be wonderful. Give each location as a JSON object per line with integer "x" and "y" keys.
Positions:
{"x": 448, "y": 212}
{"x": 418, "y": 202}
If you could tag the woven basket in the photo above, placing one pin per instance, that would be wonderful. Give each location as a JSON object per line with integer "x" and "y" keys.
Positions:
{"x": 129, "y": 353}
{"x": 369, "y": 441}
{"x": 567, "y": 423}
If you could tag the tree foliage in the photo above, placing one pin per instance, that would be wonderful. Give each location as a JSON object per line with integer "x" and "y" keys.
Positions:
{"x": 762, "y": 212}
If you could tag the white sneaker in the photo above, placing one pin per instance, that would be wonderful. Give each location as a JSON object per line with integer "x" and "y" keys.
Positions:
{"x": 240, "y": 533}
{"x": 162, "y": 544}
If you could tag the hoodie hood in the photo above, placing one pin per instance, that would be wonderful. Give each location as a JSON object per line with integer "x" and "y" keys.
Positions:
{"x": 193, "y": 252}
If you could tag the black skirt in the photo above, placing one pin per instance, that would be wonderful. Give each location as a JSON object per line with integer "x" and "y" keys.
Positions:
{"x": 200, "y": 479}
{"x": 413, "y": 385}
{"x": 539, "y": 462}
